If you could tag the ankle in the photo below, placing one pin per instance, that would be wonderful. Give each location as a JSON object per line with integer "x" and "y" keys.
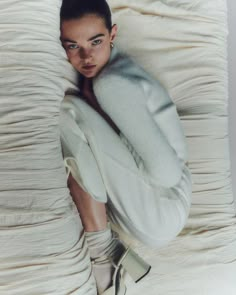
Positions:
{"x": 105, "y": 243}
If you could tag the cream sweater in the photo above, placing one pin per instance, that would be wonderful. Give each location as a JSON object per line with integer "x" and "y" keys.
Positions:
{"x": 145, "y": 114}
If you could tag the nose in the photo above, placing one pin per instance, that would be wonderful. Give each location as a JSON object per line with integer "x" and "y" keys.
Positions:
{"x": 85, "y": 53}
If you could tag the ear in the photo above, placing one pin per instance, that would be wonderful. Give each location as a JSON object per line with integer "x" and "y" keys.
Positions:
{"x": 113, "y": 34}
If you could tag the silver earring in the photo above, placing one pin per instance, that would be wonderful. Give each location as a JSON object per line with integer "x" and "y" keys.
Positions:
{"x": 112, "y": 45}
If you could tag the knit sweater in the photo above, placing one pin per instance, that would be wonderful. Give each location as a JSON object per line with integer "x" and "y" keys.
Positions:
{"x": 145, "y": 114}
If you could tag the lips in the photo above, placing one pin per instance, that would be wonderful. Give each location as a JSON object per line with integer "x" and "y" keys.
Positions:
{"x": 89, "y": 67}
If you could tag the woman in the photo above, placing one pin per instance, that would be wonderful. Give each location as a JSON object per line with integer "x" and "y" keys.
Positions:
{"x": 123, "y": 145}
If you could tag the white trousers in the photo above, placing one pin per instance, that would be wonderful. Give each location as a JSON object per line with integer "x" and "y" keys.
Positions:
{"x": 110, "y": 170}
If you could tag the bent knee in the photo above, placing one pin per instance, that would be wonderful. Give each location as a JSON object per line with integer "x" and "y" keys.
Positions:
{"x": 160, "y": 229}
{"x": 159, "y": 239}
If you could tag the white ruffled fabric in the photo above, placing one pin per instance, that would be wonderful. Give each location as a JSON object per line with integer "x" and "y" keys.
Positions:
{"x": 42, "y": 247}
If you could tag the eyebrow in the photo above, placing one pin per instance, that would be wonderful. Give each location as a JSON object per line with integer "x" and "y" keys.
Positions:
{"x": 90, "y": 39}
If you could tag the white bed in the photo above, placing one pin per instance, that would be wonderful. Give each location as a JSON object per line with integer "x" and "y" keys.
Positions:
{"x": 183, "y": 44}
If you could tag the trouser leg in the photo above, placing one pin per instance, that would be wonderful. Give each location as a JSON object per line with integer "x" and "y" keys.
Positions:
{"x": 154, "y": 216}
{"x": 151, "y": 213}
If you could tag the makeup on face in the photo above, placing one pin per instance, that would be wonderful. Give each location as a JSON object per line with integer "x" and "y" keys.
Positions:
{"x": 87, "y": 44}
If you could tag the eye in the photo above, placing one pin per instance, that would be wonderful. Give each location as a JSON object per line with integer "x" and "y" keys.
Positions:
{"x": 72, "y": 46}
{"x": 97, "y": 42}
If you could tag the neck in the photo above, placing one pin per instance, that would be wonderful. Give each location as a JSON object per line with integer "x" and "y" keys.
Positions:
{"x": 88, "y": 83}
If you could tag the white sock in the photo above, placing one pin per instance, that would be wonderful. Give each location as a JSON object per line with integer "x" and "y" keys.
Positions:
{"x": 104, "y": 244}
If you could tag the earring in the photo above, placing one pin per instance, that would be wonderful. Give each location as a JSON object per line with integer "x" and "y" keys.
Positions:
{"x": 112, "y": 45}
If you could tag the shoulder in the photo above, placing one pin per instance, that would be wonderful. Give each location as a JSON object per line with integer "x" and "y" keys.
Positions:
{"x": 121, "y": 72}
{"x": 123, "y": 75}
{"x": 120, "y": 67}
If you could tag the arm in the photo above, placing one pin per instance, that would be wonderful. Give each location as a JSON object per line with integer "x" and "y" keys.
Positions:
{"x": 164, "y": 113}
{"x": 126, "y": 103}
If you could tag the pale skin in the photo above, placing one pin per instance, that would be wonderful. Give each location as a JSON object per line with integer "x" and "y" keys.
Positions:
{"x": 87, "y": 42}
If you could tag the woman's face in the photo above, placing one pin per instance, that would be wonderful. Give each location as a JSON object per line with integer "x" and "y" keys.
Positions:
{"x": 87, "y": 43}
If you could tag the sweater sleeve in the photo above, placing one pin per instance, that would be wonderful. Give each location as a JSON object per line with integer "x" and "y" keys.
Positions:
{"x": 125, "y": 100}
{"x": 164, "y": 113}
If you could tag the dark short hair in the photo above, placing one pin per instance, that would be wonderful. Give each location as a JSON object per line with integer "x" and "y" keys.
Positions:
{"x": 73, "y": 9}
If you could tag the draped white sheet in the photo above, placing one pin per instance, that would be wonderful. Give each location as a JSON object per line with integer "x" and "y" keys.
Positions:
{"x": 183, "y": 44}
